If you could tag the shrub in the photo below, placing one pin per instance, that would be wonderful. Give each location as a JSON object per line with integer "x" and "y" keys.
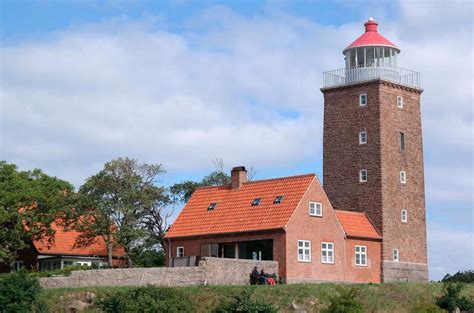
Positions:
{"x": 244, "y": 303}
{"x": 18, "y": 292}
{"x": 345, "y": 302}
{"x": 460, "y": 277}
{"x": 451, "y": 299}
{"x": 65, "y": 271}
{"x": 145, "y": 299}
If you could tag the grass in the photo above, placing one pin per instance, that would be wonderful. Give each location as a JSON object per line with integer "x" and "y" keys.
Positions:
{"x": 393, "y": 297}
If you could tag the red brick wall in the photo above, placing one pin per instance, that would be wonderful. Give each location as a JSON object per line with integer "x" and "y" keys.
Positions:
{"x": 409, "y": 238}
{"x": 371, "y": 272}
{"x": 383, "y": 196}
{"x": 302, "y": 226}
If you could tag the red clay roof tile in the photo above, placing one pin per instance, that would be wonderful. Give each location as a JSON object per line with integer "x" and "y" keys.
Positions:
{"x": 64, "y": 245}
{"x": 234, "y": 212}
{"x": 356, "y": 224}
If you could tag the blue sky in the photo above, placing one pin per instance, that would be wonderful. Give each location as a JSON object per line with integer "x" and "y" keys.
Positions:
{"x": 182, "y": 82}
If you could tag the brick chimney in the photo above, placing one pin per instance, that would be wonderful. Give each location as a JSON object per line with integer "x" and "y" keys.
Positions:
{"x": 238, "y": 176}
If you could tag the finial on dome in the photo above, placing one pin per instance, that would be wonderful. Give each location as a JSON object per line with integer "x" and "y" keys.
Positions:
{"x": 371, "y": 25}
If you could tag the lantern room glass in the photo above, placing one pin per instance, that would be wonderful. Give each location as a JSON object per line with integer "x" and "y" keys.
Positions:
{"x": 371, "y": 56}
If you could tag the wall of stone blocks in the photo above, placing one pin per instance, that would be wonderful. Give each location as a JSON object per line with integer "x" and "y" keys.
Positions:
{"x": 211, "y": 271}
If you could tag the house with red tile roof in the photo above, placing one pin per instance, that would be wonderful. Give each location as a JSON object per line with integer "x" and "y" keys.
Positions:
{"x": 45, "y": 255}
{"x": 287, "y": 219}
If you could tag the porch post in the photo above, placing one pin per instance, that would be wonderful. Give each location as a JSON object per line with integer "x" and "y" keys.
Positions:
{"x": 236, "y": 250}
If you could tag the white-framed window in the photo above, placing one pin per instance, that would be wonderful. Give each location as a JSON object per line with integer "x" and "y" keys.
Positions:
{"x": 404, "y": 216}
{"x": 180, "y": 252}
{"x": 403, "y": 177}
{"x": 315, "y": 209}
{"x": 361, "y": 255}
{"x": 17, "y": 266}
{"x": 400, "y": 102}
{"x": 363, "y": 99}
{"x": 83, "y": 263}
{"x": 304, "y": 250}
{"x": 396, "y": 255}
{"x": 327, "y": 252}
{"x": 362, "y": 138}
{"x": 362, "y": 176}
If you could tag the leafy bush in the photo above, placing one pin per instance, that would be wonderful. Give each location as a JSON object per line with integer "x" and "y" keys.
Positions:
{"x": 148, "y": 258}
{"x": 345, "y": 302}
{"x": 65, "y": 271}
{"x": 18, "y": 292}
{"x": 145, "y": 299}
{"x": 451, "y": 299}
{"x": 244, "y": 303}
{"x": 460, "y": 277}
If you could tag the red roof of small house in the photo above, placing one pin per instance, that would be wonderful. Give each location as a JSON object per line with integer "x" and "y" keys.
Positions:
{"x": 64, "y": 244}
{"x": 371, "y": 37}
{"x": 234, "y": 212}
{"x": 357, "y": 224}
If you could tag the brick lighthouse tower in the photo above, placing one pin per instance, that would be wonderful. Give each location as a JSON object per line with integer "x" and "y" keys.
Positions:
{"x": 373, "y": 152}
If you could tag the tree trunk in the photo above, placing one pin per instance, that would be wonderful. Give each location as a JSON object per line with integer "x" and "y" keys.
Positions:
{"x": 110, "y": 251}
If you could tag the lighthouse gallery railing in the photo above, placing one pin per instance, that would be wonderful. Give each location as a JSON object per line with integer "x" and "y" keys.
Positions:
{"x": 345, "y": 76}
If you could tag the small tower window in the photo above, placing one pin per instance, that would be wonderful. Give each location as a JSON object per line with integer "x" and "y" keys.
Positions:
{"x": 363, "y": 100}
{"x": 404, "y": 216}
{"x": 403, "y": 177}
{"x": 212, "y": 206}
{"x": 278, "y": 200}
{"x": 400, "y": 102}
{"x": 256, "y": 202}
{"x": 396, "y": 255}
{"x": 362, "y": 176}
{"x": 402, "y": 142}
{"x": 315, "y": 209}
{"x": 362, "y": 138}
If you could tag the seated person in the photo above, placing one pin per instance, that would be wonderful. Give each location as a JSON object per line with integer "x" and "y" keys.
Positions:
{"x": 255, "y": 273}
{"x": 263, "y": 277}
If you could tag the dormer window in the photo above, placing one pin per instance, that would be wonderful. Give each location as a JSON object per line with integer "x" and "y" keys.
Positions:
{"x": 212, "y": 206}
{"x": 278, "y": 200}
{"x": 256, "y": 201}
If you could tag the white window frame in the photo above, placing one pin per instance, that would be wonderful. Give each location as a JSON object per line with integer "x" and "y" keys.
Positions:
{"x": 17, "y": 265}
{"x": 362, "y": 135}
{"x": 325, "y": 251}
{"x": 361, "y": 179}
{"x": 400, "y": 102}
{"x": 404, "y": 216}
{"x": 361, "y": 252}
{"x": 84, "y": 263}
{"x": 361, "y": 102}
{"x": 396, "y": 255}
{"x": 316, "y": 210}
{"x": 180, "y": 252}
{"x": 305, "y": 247}
{"x": 403, "y": 177}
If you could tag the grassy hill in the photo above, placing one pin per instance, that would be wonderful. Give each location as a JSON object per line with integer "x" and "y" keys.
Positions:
{"x": 394, "y": 297}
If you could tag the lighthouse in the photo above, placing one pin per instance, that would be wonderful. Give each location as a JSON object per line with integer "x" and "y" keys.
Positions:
{"x": 373, "y": 151}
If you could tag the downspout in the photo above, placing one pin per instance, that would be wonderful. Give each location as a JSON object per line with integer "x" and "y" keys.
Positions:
{"x": 169, "y": 252}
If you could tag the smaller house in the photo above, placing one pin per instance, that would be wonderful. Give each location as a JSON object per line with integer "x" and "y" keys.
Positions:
{"x": 287, "y": 219}
{"x": 45, "y": 256}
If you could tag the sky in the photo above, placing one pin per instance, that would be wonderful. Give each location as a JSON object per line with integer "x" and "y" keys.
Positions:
{"x": 180, "y": 83}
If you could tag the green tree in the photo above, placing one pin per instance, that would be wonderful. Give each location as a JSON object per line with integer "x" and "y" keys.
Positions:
{"x": 29, "y": 202}
{"x": 123, "y": 204}
{"x": 452, "y": 299}
{"x": 184, "y": 190}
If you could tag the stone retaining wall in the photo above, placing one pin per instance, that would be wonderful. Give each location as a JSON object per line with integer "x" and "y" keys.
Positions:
{"x": 401, "y": 271}
{"x": 211, "y": 271}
